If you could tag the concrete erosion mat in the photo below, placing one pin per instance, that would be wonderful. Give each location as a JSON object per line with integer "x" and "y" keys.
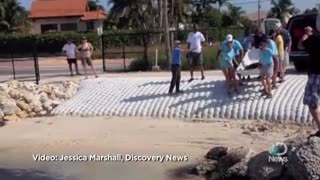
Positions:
{"x": 148, "y": 97}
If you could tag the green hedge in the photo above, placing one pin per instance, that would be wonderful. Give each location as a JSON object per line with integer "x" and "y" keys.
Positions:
{"x": 53, "y": 42}
{"x": 46, "y": 43}
{"x": 209, "y": 60}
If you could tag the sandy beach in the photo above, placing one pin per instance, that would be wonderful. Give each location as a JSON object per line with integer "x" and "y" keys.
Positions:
{"x": 145, "y": 137}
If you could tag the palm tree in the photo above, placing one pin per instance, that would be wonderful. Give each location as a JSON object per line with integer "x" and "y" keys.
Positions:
{"x": 13, "y": 17}
{"x": 221, "y": 3}
{"x": 139, "y": 13}
{"x": 94, "y": 5}
{"x": 282, "y": 8}
{"x": 166, "y": 30}
{"x": 235, "y": 14}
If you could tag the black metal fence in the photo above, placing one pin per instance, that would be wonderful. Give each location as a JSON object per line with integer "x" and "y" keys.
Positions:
{"x": 19, "y": 65}
{"x": 138, "y": 51}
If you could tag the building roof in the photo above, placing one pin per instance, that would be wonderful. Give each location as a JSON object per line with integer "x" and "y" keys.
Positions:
{"x": 254, "y": 16}
{"x": 64, "y": 8}
{"x": 92, "y": 15}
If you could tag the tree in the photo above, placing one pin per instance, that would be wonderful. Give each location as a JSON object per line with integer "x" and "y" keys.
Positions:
{"x": 233, "y": 16}
{"x": 282, "y": 8}
{"x": 137, "y": 13}
{"x": 166, "y": 30}
{"x": 13, "y": 17}
{"x": 94, "y": 5}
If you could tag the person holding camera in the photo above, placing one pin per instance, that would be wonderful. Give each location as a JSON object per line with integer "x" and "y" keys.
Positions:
{"x": 311, "y": 43}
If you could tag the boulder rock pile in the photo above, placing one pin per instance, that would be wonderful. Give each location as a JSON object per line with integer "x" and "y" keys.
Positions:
{"x": 301, "y": 162}
{"x": 19, "y": 100}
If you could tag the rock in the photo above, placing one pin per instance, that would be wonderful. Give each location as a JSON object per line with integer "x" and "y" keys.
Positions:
{"x": 12, "y": 117}
{"x": 44, "y": 97}
{"x": 32, "y": 114}
{"x": 22, "y": 114}
{"x": 2, "y": 123}
{"x": 9, "y": 107}
{"x": 233, "y": 157}
{"x": 14, "y": 94}
{"x": 55, "y": 103}
{"x": 206, "y": 167}
{"x": 304, "y": 159}
{"x": 216, "y": 153}
{"x": 238, "y": 171}
{"x": 259, "y": 167}
{"x": 263, "y": 128}
{"x": 1, "y": 114}
{"x": 4, "y": 87}
{"x": 59, "y": 94}
{"x": 28, "y": 97}
{"x": 23, "y": 106}
{"x": 43, "y": 113}
{"x": 29, "y": 86}
{"x": 252, "y": 128}
{"x": 47, "y": 106}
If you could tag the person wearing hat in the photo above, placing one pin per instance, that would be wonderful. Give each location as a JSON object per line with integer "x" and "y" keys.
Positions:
{"x": 176, "y": 68}
{"x": 287, "y": 40}
{"x": 267, "y": 66}
{"x": 310, "y": 43}
{"x": 228, "y": 51}
{"x": 85, "y": 50}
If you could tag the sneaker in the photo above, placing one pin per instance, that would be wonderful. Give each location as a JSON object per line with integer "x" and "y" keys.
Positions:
{"x": 262, "y": 90}
{"x": 97, "y": 76}
{"x": 269, "y": 96}
{"x": 203, "y": 78}
{"x": 190, "y": 80}
{"x": 249, "y": 78}
{"x": 71, "y": 74}
{"x": 180, "y": 92}
{"x": 274, "y": 87}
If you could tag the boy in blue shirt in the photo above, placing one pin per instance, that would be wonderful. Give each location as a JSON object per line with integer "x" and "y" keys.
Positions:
{"x": 176, "y": 68}
{"x": 267, "y": 65}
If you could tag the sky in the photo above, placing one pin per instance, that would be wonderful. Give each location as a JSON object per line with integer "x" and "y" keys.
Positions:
{"x": 247, "y": 5}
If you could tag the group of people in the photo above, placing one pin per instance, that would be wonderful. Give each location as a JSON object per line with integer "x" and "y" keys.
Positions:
{"x": 273, "y": 56}
{"x": 273, "y": 60}
{"x": 84, "y": 51}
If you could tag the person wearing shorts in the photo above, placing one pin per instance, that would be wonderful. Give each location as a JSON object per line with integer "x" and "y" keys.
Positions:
{"x": 85, "y": 49}
{"x": 70, "y": 51}
{"x": 287, "y": 42}
{"x": 266, "y": 69}
{"x": 176, "y": 68}
{"x": 311, "y": 43}
{"x": 195, "y": 40}
{"x": 227, "y": 61}
{"x": 276, "y": 56}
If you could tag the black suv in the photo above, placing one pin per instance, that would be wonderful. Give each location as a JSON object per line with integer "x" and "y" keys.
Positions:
{"x": 296, "y": 27}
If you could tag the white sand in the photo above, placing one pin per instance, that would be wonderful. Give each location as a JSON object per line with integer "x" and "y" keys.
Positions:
{"x": 70, "y": 136}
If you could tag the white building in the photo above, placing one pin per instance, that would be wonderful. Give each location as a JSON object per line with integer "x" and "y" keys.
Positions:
{"x": 65, "y": 15}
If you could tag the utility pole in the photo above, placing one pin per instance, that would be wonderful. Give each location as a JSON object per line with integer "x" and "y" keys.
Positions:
{"x": 259, "y": 13}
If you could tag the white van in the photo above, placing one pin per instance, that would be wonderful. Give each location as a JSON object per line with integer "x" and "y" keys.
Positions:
{"x": 270, "y": 24}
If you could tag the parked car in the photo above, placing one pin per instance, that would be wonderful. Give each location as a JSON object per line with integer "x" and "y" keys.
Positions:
{"x": 296, "y": 27}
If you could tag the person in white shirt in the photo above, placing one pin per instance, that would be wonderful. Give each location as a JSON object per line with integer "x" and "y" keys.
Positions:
{"x": 195, "y": 40}
{"x": 70, "y": 51}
